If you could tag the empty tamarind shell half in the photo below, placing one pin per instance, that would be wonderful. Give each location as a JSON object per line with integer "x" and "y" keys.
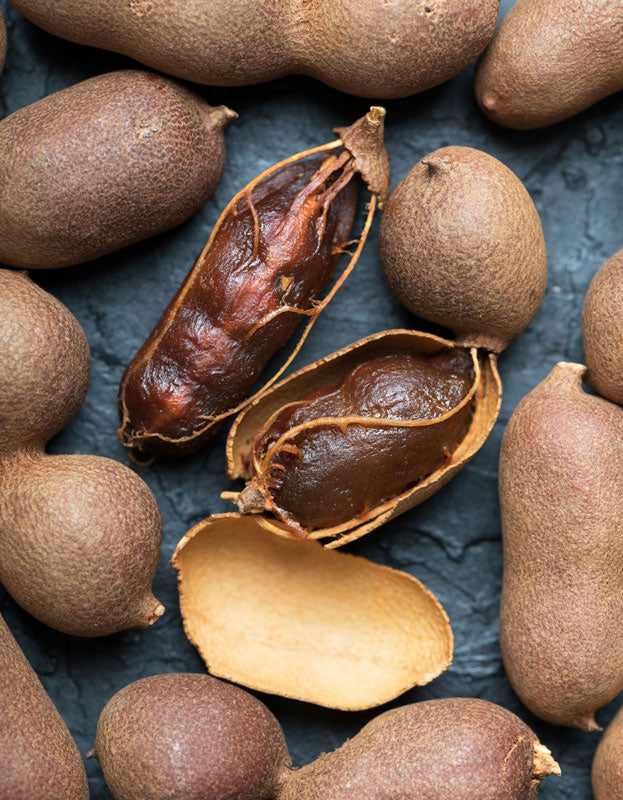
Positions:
{"x": 384, "y": 445}
{"x": 271, "y": 254}
{"x": 292, "y": 618}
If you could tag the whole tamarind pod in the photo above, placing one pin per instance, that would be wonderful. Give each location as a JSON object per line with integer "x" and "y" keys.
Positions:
{"x": 561, "y": 484}
{"x": 270, "y": 255}
{"x": 192, "y": 736}
{"x": 607, "y": 772}
{"x": 462, "y": 246}
{"x": 452, "y": 749}
{"x": 79, "y": 535}
{"x": 412, "y": 407}
{"x": 2, "y": 42}
{"x": 602, "y": 330}
{"x": 38, "y": 758}
{"x": 189, "y": 737}
{"x": 371, "y": 48}
{"x": 103, "y": 164}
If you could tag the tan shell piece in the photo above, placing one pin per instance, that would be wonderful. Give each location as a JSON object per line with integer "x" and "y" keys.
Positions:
{"x": 607, "y": 770}
{"x": 602, "y": 330}
{"x": 328, "y": 371}
{"x": 292, "y": 618}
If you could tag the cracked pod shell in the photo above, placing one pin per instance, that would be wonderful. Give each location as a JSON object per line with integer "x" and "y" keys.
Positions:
{"x": 328, "y": 371}
{"x": 292, "y": 618}
{"x": 38, "y": 758}
{"x": 234, "y": 310}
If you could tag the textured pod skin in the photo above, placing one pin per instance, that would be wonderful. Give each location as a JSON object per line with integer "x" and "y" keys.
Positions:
{"x": 607, "y": 770}
{"x": 191, "y": 737}
{"x": 454, "y": 749}
{"x": 79, "y": 535}
{"x": 549, "y": 60}
{"x": 39, "y": 759}
{"x": 485, "y": 396}
{"x": 103, "y": 164}
{"x": 2, "y": 42}
{"x": 462, "y": 245}
{"x": 602, "y": 330}
{"x": 561, "y": 483}
{"x": 313, "y": 478}
{"x": 383, "y": 49}
{"x": 269, "y": 257}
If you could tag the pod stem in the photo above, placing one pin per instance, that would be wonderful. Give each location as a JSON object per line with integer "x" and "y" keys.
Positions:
{"x": 566, "y": 375}
{"x": 543, "y": 763}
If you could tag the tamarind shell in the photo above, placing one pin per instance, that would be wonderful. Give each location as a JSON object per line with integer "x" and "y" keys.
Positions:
{"x": 486, "y": 396}
{"x": 290, "y": 617}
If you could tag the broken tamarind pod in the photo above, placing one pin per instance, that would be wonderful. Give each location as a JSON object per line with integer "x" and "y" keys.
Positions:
{"x": 192, "y": 736}
{"x": 292, "y": 618}
{"x": 607, "y": 772}
{"x": 302, "y": 444}
{"x": 269, "y": 257}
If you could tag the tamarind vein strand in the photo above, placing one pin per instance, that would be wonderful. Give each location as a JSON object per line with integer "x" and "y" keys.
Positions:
{"x": 270, "y": 255}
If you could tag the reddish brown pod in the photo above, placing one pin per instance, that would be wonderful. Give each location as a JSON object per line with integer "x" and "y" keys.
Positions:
{"x": 462, "y": 246}
{"x": 38, "y": 758}
{"x": 103, "y": 164}
{"x": 79, "y": 535}
{"x": 602, "y": 330}
{"x": 271, "y": 254}
{"x": 607, "y": 772}
{"x": 372, "y": 48}
{"x": 301, "y": 444}
{"x": 561, "y": 484}
{"x": 224, "y": 744}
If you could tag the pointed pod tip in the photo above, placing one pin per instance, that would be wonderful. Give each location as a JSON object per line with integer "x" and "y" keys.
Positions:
{"x": 567, "y": 374}
{"x": 543, "y": 763}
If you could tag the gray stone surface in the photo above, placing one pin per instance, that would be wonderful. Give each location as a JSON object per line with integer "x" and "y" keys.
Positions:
{"x": 452, "y": 542}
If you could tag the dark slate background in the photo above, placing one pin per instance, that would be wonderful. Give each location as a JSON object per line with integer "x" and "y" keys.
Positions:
{"x": 452, "y": 543}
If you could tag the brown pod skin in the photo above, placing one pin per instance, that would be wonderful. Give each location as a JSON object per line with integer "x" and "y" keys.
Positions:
{"x": 602, "y": 330}
{"x": 79, "y": 535}
{"x": 191, "y": 737}
{"x": 38, "y": 758}
{"x": 270, "y": 255}
{"x": 561, "y": 483}
{"x": 549, "y": 60}
{"x": 483, "y": 405}
{"x": 607, "y": 770}
{"x": 314, "y": 478}
{"x": 2, "y": 42}
{"x": 370, "y": 48}
{"x": 103, "y": 164}
{"x": 454, "y": 749}
{"x": 462, "y": 245}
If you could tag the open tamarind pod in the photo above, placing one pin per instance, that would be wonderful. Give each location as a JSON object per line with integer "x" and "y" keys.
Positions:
{"x": 607, "y": 772}
{"x": 292, "y": 618}
{"x": 38, "y": 758}
{"x": 561, "y": 615}
{"x": 301, "y": 444}
{"x": 269, "y": 257}
{"x": 602, "y": 330}
{"x": 79, "y": 535}
{"x": 192, "y": 736}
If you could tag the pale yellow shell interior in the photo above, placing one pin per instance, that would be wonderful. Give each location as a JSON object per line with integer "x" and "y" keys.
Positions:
{"x": 292, "y": 618}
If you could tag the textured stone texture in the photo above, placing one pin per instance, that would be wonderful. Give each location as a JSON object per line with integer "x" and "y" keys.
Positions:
{"x": 452, "y": 542}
